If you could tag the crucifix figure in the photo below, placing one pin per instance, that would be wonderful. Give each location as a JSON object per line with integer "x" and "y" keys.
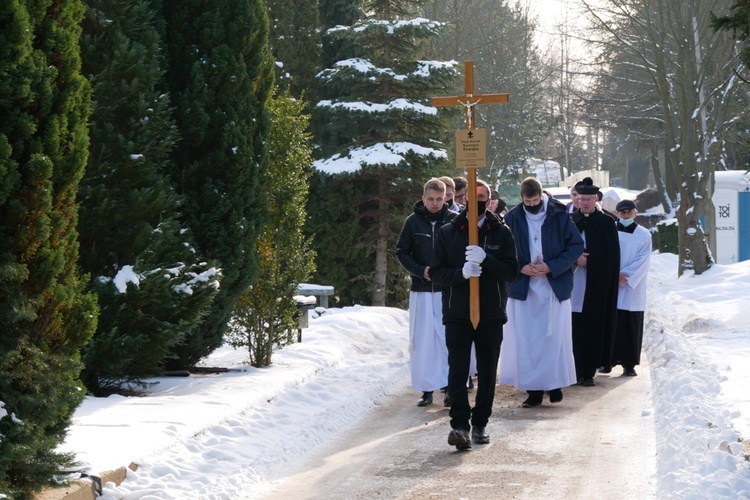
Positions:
{"x": 469, "y": 100}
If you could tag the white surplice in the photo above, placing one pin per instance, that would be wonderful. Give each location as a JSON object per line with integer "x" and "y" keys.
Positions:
{"x": 635, "y": 253}
{"x": 537, "y": 350}
{"x": 428, "y": 353}
{"x": 579, "y": 285}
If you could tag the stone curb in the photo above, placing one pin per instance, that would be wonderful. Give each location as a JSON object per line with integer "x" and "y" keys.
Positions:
{"x": 88, "y": 487}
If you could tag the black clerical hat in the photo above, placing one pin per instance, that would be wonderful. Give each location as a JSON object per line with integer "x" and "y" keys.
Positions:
{"x": 586, "y": 186}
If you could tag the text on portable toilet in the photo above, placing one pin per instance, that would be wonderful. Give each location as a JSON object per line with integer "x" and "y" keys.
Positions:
{"x": 732, "y": 207}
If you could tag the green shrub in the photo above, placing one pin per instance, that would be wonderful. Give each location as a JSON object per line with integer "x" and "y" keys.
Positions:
{"x": 667, "y": 237}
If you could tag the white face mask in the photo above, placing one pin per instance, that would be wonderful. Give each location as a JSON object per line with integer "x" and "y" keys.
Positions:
{"x": 626, "y": 222}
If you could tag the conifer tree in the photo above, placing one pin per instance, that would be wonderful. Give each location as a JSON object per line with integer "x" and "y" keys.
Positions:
{"x": 338, "y": 13}
{"x": 220, "y": 75}
{"x": 738, "y": 22}
{"x": 266, "y": 314}
{"x": 295, "y": 43}
{"x": 45, "y": 316}
{"x": 382, "y": 134}
{"x": 129, "y": 210}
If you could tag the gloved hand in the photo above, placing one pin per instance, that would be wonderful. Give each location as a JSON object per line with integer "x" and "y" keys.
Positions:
{"x": 475, "y": 254}
{"x": 471, "y": 269}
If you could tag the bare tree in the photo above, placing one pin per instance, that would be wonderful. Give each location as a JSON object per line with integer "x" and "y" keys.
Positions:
{"x": 677, "y": 84}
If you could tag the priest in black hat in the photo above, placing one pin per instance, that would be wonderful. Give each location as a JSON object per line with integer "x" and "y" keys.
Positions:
{"x": 595, "y": 283}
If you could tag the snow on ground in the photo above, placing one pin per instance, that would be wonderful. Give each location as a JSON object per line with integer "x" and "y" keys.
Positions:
{"x": 698, "y": 348}
{"x": 225, "y": 436}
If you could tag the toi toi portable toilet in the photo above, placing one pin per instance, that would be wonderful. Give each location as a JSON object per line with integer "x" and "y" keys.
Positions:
{"x": 732, "y": 204}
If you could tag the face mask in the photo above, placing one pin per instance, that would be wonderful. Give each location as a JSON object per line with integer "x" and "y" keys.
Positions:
{"x": 481, "y": 207}
{"x": 449, "y": 202}
{"x": 534, "y": 209}
{"x": 626, "y": 222}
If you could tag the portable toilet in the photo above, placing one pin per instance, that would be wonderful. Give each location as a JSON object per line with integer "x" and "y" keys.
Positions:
{"x": 732, "y": 204}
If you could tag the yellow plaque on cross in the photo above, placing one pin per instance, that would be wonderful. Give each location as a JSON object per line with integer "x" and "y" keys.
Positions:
{"x": 471, "y": 148}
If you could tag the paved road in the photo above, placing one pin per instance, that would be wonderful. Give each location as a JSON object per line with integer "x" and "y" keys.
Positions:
{"x": 599, "y": 442}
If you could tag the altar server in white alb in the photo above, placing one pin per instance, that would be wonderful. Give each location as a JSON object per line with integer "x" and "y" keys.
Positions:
{"x": 635, "y": 253}
{"x": 537, "y": 352}
{"x": 428, "y": 352}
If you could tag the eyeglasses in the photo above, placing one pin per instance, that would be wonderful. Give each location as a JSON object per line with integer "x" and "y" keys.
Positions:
{"x": 460, "y": 196}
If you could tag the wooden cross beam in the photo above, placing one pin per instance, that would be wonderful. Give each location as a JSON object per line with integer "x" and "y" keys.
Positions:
{"x": 469, "y": 100}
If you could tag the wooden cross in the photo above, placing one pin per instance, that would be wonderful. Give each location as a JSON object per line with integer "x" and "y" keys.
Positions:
{"x": 468, "y": 101}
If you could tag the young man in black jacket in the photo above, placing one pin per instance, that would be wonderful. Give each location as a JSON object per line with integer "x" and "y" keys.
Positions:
{"x": 453, "y": 262}
{"x": 428, "y": 354}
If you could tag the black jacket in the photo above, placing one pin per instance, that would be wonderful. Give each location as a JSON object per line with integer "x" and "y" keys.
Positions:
{"x": 415, "y": 244}
{"x": 499, "y": 267}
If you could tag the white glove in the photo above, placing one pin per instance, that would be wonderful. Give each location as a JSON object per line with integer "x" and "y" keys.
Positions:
{"x": 475, "y": 254}
{"x": 471, "y": 269}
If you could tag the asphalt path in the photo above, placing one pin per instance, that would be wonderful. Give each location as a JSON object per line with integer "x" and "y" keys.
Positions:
{"x": 598, "y": 442}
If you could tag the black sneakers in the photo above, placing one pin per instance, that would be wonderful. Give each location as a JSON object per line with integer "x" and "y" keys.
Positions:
{"x": 478, "y": 436}
{"x": 460, "y": 439}
{"x": 629, "y": 372}
{"x": 426, "y": 399}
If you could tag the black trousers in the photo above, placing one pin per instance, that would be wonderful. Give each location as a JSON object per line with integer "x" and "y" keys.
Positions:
{"x": 487, "y": 339}
{"x": 628, "y": 338}
{"x": 587, "y": 348}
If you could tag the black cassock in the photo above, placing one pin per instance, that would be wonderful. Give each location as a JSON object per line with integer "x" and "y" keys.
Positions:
{"x": 629, "y": 338}
{"x": 594, "y": 327}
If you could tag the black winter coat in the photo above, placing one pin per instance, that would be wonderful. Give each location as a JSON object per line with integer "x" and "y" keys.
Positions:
{"x": 416, "y": 242}
{"x": 499, "y": 266}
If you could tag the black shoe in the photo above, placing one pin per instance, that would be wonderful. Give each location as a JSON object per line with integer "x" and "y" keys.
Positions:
{"x": 555, "y": 396}
{"x": 588, "y": 382}
{"x": 605, "y": 369}
{"x": 447, "y": 400}
{"x": 629, "y": 372}
{"x": 426, "y": 399}
{"x": 460, "y": 439}
{"x": 534, "y": 399}
{"x": 478, "y": 436}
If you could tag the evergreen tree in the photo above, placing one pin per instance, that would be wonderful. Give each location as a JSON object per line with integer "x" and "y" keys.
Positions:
{"x": 338, "y": 13}
{"x": 45, "y": 317}
{"x": 739, "y": 24}
{"x": 220, "y": 75}
{"x": 266, "y": 314}
{"x": 382, "y": 132}
{"x": 129, "y": 210}
{"x": 332, "y": 197}
{"x": 295, "y": 43}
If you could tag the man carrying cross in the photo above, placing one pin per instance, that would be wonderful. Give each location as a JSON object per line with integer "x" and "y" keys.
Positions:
{"x": 473, "y": 308}
{"x": 454, "y": 262}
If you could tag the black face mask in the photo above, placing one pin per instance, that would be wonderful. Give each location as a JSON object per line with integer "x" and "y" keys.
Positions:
{"x": 449, "y": 202}
{"x": 534, "y": 209}
{"x": 481, "y": 207}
